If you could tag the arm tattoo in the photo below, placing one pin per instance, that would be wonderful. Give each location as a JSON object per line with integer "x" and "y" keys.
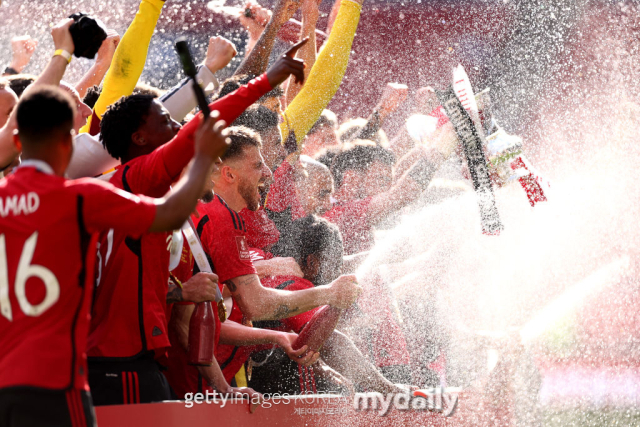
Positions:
{"x": 174, "y": 294}
{"x": 283, "y": 311}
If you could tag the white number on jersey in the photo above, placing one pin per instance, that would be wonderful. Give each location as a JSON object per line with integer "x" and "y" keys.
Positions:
{"x": 24, "y": 272}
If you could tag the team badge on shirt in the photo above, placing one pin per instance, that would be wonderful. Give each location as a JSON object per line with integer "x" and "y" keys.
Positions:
{"x": 243, "y": 248}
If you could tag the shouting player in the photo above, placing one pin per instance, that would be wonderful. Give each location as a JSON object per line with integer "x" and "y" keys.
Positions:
{"x": 126, "y": 345}
{"x": 48, "y": 232}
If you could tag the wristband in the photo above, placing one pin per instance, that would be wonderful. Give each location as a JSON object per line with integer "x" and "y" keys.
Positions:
{"x": 66, "y": 55}
{"x": 11, "y": 71}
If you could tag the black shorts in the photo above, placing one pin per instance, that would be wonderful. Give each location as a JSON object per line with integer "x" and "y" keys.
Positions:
{"x": 121, "y": 383}
{"x": 37, "y": 407}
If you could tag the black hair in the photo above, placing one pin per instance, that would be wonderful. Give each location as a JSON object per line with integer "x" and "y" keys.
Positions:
{"x": 240, "y": 138}
{"x": 43, "y": 113}
{"x": 233, "y": 83}
{"x": 317, "y": 235}
{"x": 92, "y": 95}
{"x": 327, "y": 156}
{"x": 360, "y": 156}
{"x": 327, "y": 118}
{"x": 19, "y": 82}
{"x": 258, "y": 118}
{"x": 121, "y": 120}
{"x": 312, "y": 235}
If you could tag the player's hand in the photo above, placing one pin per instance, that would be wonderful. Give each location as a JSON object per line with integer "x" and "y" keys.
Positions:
{"x": 201, "y": 287}
{"x": 287, "y": 65}
{"x": 62, "y": 37}
{"x": 108, "y": 48}
{"x": 344, "y": 291}
{"x": 303, "y": 356}
{"x": 257, "y": 19}
{"x": 23, "y": 48}
{"x": 219, "y": 53}
{"x": 393, "y": 95}
{"x": 211, "y": 137}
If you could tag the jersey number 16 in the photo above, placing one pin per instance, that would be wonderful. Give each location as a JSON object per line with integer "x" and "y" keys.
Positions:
{"x": 24, "y": 272}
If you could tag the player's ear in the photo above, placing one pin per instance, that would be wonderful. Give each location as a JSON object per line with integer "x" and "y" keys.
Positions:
{"x": 137, "y": 139}
{"x": 227, "y": 173}
{"x": 16, "y": 141}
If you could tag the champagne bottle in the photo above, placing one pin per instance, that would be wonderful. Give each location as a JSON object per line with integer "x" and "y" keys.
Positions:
{"x": 318, "y": 329}
{"x": 202, "y": 328}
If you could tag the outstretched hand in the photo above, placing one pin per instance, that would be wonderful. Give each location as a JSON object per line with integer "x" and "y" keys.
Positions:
{"x": 288, "y": 65}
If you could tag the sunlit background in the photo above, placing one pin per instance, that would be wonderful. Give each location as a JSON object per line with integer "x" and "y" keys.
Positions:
{"x": 557, "y": 291}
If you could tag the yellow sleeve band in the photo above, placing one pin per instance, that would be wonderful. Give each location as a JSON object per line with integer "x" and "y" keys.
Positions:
{"x": 325, "y": 75}
{"x": 66, "y": 55}
{"x": 129, "y": 59}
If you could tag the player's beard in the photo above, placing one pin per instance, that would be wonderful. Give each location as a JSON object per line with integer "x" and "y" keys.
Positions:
{"x": 248, "y": 192}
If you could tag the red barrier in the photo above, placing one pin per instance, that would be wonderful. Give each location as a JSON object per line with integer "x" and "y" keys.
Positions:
{"x": 310, "y": 410}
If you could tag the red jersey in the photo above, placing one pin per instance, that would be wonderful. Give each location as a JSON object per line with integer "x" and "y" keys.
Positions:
{"x": 352, "y": 220}
{"x": 222, "y": 233}
{"x": 261, "y": 232}
{"x": 283, "y": 194}
{"x": 134, "y": 274}
{"x": 47, "y": 252}
{"x": 182, "y": 377}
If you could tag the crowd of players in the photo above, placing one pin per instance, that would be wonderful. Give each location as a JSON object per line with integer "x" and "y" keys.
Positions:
{"x": 97, "y": 287}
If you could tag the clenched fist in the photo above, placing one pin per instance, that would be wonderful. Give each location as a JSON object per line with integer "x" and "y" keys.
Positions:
{"x": 201, "y": 287}
{"x": 23, "y": 48}
{"x": 344, "y": 291}
{"x": 219, "y": 53}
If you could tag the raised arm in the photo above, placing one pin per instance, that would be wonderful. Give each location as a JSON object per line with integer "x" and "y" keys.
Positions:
{"x": 128, "y": 61}
{"x": 23, "y": 48}
{"x": 325, "y": 76}
{"x": 307, "y": 53}
{"x": 413, "y": 182}
{"x": 260, "y": 303}
{"x": 181, "y": 99}
{"x": 257, "y": 61}
{"x": 177, "y": 153}
{"x": 392, "y": 96}
{"x": 51, "y": 75}
{"x": 96, "y": 73}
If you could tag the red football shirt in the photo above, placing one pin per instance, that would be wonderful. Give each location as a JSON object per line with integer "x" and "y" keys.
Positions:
{"x": 134, "y": 272}
{"x": 352, "y": 220}
{"x": 222, "y": 232}
{"x": 184, "y": 378}
{"x": 49, "y": 228}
